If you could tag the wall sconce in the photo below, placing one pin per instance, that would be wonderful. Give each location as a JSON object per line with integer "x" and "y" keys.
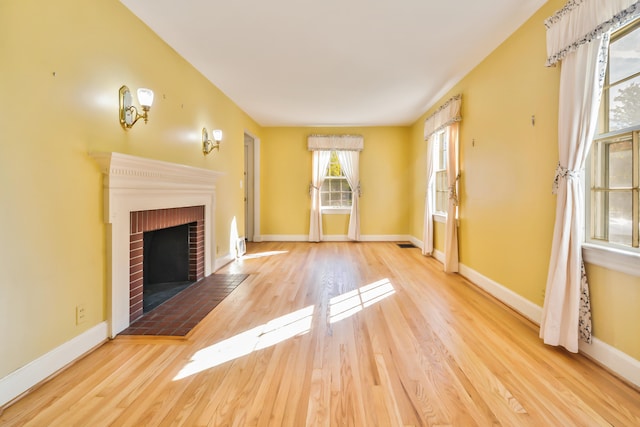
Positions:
{"x": 129, "y": 114}
{"x": 207, "y": 144}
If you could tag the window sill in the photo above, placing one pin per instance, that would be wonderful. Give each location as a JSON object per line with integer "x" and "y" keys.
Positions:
{"x": 336, "y": 211}
{"x": 440, "y": 217}
{"x": 611, "y": 258}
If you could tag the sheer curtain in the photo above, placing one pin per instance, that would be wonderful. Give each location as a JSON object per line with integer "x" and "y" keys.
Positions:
{"x": 577, "y": 35}
{"x": 446, "y": 117}
{"x": 429, "y": 203}
{"x": 451, "y": 227}
{"x": 319, "y": 168}
{"x": 350, "y": 163}
{"x": 348, "y": 148}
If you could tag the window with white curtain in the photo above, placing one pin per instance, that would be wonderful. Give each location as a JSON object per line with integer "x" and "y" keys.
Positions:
{"x": 335, "y": 193}
{"x": 613, "y": 206}
{"x": 441, "y": 189}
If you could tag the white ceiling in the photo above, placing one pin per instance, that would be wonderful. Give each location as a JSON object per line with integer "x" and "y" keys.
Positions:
{"x": 334, "y": 62}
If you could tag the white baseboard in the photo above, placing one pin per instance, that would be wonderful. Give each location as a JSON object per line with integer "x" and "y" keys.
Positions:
{"x": 613, "y": 359}
{"x": 520, "y": 304}
{"x": 26, "y": 377}
{"x": 385, "y": 238}
{"x": 284, "y": 238}
{"x": 439, "y": 256}
{"x": 415, "y": 242}
{"x": 606, "y": 355}
{"x": 222, "y": 261}
{"x": 334, "y": 238}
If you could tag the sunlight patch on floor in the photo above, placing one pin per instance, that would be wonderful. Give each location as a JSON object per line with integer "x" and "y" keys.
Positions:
{"x": 352, "y": 302}
{"x": 260, "y": 337}
{"x": 262, "y": 254}
{"x": 284, "y": 327}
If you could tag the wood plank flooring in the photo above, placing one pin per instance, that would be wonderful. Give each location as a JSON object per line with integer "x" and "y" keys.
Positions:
{"x": 337, "y": 334}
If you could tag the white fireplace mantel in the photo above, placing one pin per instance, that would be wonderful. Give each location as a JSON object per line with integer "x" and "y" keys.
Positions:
{"x": 136, "y": 184}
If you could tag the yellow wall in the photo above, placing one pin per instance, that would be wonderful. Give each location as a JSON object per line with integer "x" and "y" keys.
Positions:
{"x": 61, "y": 64}
{"x": 507, "y": 210}
{"x": 384, "y": 176}
{"x": 615, "y": 298}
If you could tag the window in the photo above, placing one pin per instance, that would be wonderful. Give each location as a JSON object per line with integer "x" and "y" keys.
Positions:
{"x": 440, "y": 166}
{"x": 614, "y": 168}
{"x": 335, "y": 192}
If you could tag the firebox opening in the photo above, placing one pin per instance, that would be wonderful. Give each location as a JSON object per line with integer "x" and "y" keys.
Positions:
{"x": 165, "y": 264}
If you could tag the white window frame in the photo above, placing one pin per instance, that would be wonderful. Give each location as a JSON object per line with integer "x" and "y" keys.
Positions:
{"x": 617, "y": 257}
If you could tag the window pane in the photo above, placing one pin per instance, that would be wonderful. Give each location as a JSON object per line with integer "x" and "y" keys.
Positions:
{"x": 325, "y": 197}
{"x": 623, "y": 56}
{"x": 441, "y": 201}
{"x": 333, "y": 168}
{"x": 620, "y": 164}
{"x": 624, "y": 104}
{"x": 442, "y": 191}
{"x": 599, "y": 231}
{"x": 598, "y": 166}
{"x": 441, "y": 147}
{"x": 335, "y": 185}
{"x": 620, "y": 217}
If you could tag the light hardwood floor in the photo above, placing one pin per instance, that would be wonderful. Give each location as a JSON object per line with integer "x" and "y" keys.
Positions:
{"x": 339, "y": 334}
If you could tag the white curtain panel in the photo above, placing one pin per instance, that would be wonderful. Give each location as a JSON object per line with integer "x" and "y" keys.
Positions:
{"x": 448, "y": 116}
{"x": 319, "y": 168}
{"x": 429, "y": 203}
{"x": 578, "y": 35}
{"x": 451, "y": 227}
{"x": 350, "y": 163}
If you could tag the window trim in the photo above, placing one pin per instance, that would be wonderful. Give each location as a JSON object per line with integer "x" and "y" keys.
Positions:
{"x": 440, "y": 217}
{"x": 335, "y": 211}
{"x": 621, "y": 260}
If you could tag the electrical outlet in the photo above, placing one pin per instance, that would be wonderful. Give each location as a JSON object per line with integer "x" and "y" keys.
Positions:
{"x": 81, "y": 313}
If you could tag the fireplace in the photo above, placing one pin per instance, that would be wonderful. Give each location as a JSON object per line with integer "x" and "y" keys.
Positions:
{"x": 166, "y": 253}
{"x": 157, "y": 191}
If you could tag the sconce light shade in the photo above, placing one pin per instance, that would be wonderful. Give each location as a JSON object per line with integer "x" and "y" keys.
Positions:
{"x": 145, "y": 97}
{"x": 209, "y": 145}
{"x": 129, "y": 114}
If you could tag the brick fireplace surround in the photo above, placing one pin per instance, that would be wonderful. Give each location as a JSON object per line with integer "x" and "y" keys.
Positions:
{"x": 150, "y": 220}
{"x": 134, "y": 184}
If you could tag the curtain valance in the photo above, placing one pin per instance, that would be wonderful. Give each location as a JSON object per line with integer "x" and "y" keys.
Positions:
{"x": 335, "y": 142}
{"x": 445, "y": 115}
{"x": 581, "y": 21}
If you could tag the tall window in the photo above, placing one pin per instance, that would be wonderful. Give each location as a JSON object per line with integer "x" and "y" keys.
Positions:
{"x": 613, "y": 207}
{"x": 440, "y": 167}
{"x": 335, "y": 192}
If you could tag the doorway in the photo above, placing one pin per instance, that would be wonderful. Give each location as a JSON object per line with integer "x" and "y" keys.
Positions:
{"x": 249, "y": 187}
